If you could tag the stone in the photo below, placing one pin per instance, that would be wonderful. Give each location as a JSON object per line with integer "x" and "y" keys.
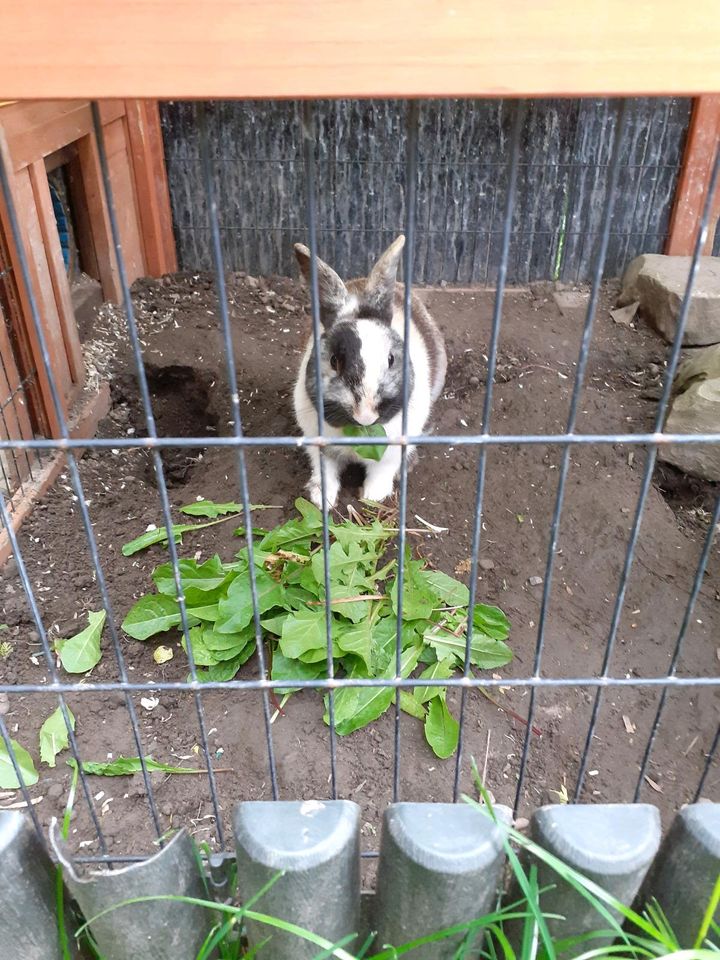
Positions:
{"x": 535, "y": 581}
{"x": 486, "y": 564}
{"x": 658, "y": 282}
{"x": 571, "y": 302}
{"x": 695, "y": 408}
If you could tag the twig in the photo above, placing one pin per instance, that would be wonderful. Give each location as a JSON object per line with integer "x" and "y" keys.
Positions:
{"x": 21, "y": 804}
{"x": 364, "y": 596}
{"x": 511, "y": 713}
{"x": 487, "y": 754}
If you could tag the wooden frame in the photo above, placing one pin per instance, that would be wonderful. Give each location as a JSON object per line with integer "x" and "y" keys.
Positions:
{"x": 331, "y": 48}
{"x": 702, "y": 141}
{"x": 35, "y": 136}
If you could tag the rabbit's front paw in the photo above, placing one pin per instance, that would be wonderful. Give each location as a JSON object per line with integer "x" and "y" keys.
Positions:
{"x": 332, "y": 488}
{"x": 378, "y": 486}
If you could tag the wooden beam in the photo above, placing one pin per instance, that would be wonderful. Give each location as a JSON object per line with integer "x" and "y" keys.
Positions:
{"x": 56, "y": 267}
{"x": 20, "y": 201}
{"x": 99, "y": 221}
{"x": 330, "y": 48}
{"x": 703, "y": 140}
{"x": 151, "y": 186}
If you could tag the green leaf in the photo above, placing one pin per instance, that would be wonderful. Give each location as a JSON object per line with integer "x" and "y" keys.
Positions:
{"x": 304, "y": 632}
{"x": 410, "y": 705}
{"x": 226, "y": 669}
{"x": 371, "y": 451}
{"x": 151, "y": 537}
{"x": 357, "y": 639}
{"x": 82, "y": 652}
{"x": 8, "y": 777}
{"x": 236, "y": 610}
{"x": 294, "y": 535}
{"x": 227, "y": 645}
{"x": 274, "y": 624}
{"x": 153, "y": 613}
{"x": 441, "y": 729}
{"x": 440, "y": 670}
{"x": 369, "y": 536}
{"x": 285, "y": 669}
{"x": 208, "y": 508}
{"x": 491, "y": 621}
{"x": 202, "y": 578}
{"x": 485, "y": 652}
{"x": 451, "y": 592}
{"x": 159, "y": 535}
{"x": 202, "y": 657}
{"x": 207, "y": 614}
{"x": 54, "y": 736}
{"x": 356, "y": 707}
{"x": 125, "y": 766}
{"x": 310, "y": 513}
{"x": 419, "y": 597}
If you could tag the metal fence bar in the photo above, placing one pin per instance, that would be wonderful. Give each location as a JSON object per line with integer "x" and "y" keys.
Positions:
{"x": 708, "y": 765}
{"x": 411, "y": 175}
{"x": 237, "y": 430}
{"x": 423, "y": 440}
{"x": 340, "y": 683}
{"x": 694, "y": 593}
{"x": 513, "y": 164}
{"x": 650, "y": 460}
{"x": 157, "y": 460}
{"x": 580, "y": 370}
{"x": 308, "y": 135}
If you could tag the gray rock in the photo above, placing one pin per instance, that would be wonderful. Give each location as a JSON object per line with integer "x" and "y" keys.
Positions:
{"x": 695, "y": 408}
{"x": 486, "y": 564}
{"x": 658, "y": 283}
{"x": 571, "y": 302}
{"x": 535, "y": 581}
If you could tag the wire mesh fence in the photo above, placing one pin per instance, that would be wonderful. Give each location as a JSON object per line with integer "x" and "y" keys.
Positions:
{"x": 480, "y": 444}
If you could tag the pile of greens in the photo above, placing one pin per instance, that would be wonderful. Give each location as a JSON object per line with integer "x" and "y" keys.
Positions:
{"x": 290, "y": 581}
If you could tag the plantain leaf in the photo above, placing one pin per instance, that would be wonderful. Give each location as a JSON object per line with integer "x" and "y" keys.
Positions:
{"x": 369, "y": 451}
{"x": 125, "y": 766}
{"x": 8, "y": 777}
{"x": 82, "y": 652}
{"x": 440, "y": 670}
{"x": 54, "y": 736}
{"x": 154, "y": 613}
{"x": 441, "y": 729}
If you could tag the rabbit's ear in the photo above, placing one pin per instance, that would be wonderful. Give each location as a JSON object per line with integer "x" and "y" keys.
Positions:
{"x": 332, "y": 291}
{"x": 379, "y": 292}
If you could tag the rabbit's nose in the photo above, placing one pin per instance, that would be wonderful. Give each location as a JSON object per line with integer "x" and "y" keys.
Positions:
{"x": 365, "y": 415}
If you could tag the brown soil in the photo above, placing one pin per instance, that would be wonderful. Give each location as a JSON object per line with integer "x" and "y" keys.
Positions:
{"x": 538, "y": 348}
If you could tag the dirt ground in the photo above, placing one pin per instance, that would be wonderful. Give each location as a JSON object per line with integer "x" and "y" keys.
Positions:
{"x": 538, "y": 349}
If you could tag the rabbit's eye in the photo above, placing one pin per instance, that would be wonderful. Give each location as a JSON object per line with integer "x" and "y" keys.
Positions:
{"x": 333, "y": 362}
{"x": 391, "y": 359}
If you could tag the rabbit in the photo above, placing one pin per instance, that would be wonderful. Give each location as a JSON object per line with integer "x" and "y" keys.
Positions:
{"x": 361, "y": 363}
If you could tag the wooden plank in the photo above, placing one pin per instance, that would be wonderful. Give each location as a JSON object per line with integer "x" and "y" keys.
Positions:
{"x": 703, "y": 140}
{"x": 151, "y": 186}
{"x": 56, "y": 268}
{"x": 84, "y": 425}
{"x": 98, "y": 219}
{"x": 24, "y": 208}
{"x": 124, "y": 198}
{"x": 35, "y": 130}
{"x": 81, "y": 220}
{"x": 326, "y": 48}
{"x": 29, "y": 217}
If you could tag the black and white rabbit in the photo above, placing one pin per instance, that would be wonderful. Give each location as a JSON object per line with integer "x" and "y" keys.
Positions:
{"x": 361, "y": 361}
